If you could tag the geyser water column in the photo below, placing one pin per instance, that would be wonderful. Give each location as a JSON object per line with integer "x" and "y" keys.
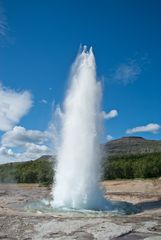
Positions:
{"x": 77, "y": 176}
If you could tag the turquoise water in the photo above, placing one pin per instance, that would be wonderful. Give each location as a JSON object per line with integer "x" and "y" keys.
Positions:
{"x": 115, "y": 207}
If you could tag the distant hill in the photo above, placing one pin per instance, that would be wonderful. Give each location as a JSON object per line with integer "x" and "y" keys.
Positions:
{"x": 124, "y": 158}
{"x": 132, "y": 157}
{"x": 132, "y": 145}
{"x": 37, "y": 171}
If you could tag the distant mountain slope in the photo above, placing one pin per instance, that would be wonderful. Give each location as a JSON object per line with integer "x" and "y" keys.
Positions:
{"x": 124, "y": 158}
{"x": 37, "y": 171}
{"x": 132, "y": 145}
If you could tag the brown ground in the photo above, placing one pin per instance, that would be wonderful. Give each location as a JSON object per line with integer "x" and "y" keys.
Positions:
{"x": 134, "y": 191}
{"x": 18, "y": 223}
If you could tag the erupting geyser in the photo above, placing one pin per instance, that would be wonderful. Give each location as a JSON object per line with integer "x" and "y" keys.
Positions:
{"x": 77, "y": 174}
{"x": 78, "y": 166}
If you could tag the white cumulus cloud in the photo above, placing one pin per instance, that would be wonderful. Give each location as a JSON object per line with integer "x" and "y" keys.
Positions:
{"x": 20, "y": 144}
{"x": 19, "y": 136}
{"x": 6, "y": 152}
{"x": 112, "y": 114}
{"x": 151, "y": 127}
{"x": 7, "y": 155}
{"x": 13, "y": 106}
{"x": 109, "y": 138}
{"x": 33, "y": 151}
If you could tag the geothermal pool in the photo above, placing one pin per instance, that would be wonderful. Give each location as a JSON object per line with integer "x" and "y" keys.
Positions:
{"x": 114, "y": 208}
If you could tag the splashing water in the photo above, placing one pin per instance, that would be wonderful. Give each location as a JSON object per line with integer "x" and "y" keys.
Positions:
{"x": 77, "y": 174}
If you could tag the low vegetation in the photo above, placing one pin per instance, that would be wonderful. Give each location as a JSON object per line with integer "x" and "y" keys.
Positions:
{"x": 115, "y": 167}
{"x": 133, "y": 166}
{"x": 38, "y": 171}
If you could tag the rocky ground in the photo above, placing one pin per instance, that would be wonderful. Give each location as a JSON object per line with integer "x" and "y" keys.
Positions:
{"x": 17, "y": 221}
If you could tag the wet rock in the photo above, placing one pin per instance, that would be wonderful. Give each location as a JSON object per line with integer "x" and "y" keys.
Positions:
{"x": 82, "y": 235}
{"x": 132, "y": 236}
{"x": 156, "y": 228}
{"x": 2, "y": 193}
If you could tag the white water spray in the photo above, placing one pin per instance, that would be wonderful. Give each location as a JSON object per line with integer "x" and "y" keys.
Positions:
{"x": 77, "y": 174}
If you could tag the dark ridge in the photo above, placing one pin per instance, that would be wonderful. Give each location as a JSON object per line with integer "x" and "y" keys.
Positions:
{"x": 133, "y": 137}
{"x": 132, "y": 145}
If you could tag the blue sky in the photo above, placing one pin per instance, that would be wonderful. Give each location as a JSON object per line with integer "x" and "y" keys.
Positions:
{"x": 40, "y": 40}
